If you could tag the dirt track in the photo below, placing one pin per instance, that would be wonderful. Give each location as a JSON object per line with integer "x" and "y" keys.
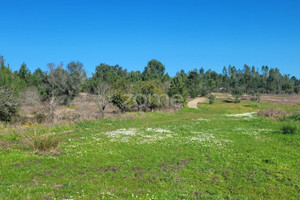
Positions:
{"x": 193, "y": 103}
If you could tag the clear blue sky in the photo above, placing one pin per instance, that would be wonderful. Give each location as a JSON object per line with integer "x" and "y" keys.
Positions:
{"x": 181, "y": 34}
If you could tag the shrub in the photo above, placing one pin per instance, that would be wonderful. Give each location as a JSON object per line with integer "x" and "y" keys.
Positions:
{"x": 211, "y": 98}
{"x": 236, "y": 93}
{"x": 288, "y": 129}
{"x": 8, "y": 104}
{"x": 39, "y": 117}
{"x": 255, "y": 97}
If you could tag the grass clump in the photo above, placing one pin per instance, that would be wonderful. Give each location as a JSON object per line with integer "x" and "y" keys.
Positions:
{"x": 45, "y": 143}
{"x": 288, "y": 129}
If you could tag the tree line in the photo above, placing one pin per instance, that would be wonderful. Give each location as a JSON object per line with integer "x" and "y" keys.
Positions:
{"x": 113, "y": 84}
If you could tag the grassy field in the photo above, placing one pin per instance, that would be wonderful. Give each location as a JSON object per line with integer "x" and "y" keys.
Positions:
{"x": 213, "y": 152}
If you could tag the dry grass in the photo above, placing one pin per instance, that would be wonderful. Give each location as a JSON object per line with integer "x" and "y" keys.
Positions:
{"x": 44, "y": 143}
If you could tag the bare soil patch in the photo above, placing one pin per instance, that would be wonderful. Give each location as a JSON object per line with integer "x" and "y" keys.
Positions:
{"x": 277, "y": 98}
{"x": 194, "y": 102}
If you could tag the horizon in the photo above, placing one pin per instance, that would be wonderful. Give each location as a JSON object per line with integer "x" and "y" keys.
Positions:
{"x": 181, "y": 34}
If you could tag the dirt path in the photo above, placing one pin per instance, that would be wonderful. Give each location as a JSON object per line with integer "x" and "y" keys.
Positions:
{"x": 193, "y": 103}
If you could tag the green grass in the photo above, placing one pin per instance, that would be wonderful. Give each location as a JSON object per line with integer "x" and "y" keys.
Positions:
{"x": 190, "y": 154}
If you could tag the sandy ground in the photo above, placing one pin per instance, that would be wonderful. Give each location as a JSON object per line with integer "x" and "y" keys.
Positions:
{"x": 279, "y": 98}
{"x": 193, "y": 103}
{"x": 293, "y": 99}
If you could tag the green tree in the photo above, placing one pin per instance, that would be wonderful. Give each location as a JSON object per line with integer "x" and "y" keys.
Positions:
{"x": 178, "y": 89}
{"x": 237, "y": 92}
{"x": 24, "y": 74}
{"x": 154, "y": 70}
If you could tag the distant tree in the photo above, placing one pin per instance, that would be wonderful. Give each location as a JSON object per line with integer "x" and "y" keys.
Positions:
{"x": 103, "y": 95}
{"x": 236, "y": 93}
{"x": 8, "y": 104}
{"x": 255, "y": 96}
{"x": 25, "y": 74}
{"x": 76, "y": 78}
{"x": 63, "y": 85}
{"x": 154, "y": 70}
{"x": 122, "y": 97}
{"x": 30, "y": 96}
{"x": 194, "y": 83}
{"x": 177, "y": 88}
{"x": 149, "y": 94}
{"x": 211, "y": 98}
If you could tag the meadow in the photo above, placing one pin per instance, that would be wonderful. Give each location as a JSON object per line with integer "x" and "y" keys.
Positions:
{"x": 219, "y": 151}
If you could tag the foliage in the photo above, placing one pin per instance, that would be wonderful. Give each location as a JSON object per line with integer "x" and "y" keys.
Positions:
{"x": 255, "y": 97}
{"x": 154, "y": 70}
{"x": 177, "y": 87}
{"x": 236, "y": 93}
{"x": 211, "y": 98}
{"x": 62, "y": 84}
{"x": 294, "y": 117}
{"x": 288, "y": 129}
{"x": 8, "y": 104}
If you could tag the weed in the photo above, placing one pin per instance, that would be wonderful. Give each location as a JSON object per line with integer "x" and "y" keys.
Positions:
{"x": 44, "y": 143}
{"x": 288, "y": 129}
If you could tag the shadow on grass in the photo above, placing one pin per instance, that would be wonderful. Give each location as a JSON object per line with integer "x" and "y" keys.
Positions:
{"x": 228, "y": 101}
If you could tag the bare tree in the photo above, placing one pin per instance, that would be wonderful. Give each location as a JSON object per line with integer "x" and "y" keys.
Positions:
{"x": 30, "y": 96}
{"x": 103, "y": 93}
{"x": 8, "y": 104}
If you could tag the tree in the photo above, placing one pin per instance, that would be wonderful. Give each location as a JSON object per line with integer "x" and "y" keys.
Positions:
{"x": 10, "y": 80}
{"x": 255, "y": 96}
{"x": 25, "y": 74}
{"x": 154, "y": 70}
{"x": 76, "y": 78}
{"x": 211, "y": 98}
{"x": 8, "y": 104}
{"x": 30, "y": 96}
{"x": 103, "y": 94}
{"x": 62, "y": 85}
{"x": 177, "y": 89}
{"x": 236, "y": 93}
{"x": 194, "y": 83}
{"x": 122, "y": 97}
{"x": 150, "y": 94}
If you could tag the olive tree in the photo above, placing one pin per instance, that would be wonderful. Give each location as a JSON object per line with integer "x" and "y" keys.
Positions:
{"x": 8, "y": 104}
{"x": 63, "y": 85}
{"x": 103, "y": 93}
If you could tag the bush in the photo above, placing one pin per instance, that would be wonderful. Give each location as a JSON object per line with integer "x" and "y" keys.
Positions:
{"x": 39, "y": 117}
{"x": 8, "y": 104}
{"x": 288, "y": 129}
{"x": 211, "y": 98}
{"x": 236, "y": 93}
{"x": 255, "y": 97}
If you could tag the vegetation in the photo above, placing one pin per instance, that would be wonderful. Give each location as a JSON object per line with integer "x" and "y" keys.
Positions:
{"x": 61, "y": 84}
{"x": 211, "y": 98}
{"x": 214, "y": 152}
{"x": 8, "y": 104}
{"x": 288, "y": 129}
{"x": 294, "y": 117}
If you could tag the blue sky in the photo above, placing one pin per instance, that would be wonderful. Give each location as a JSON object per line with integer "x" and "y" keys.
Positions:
{"x": 182, "y": 34}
